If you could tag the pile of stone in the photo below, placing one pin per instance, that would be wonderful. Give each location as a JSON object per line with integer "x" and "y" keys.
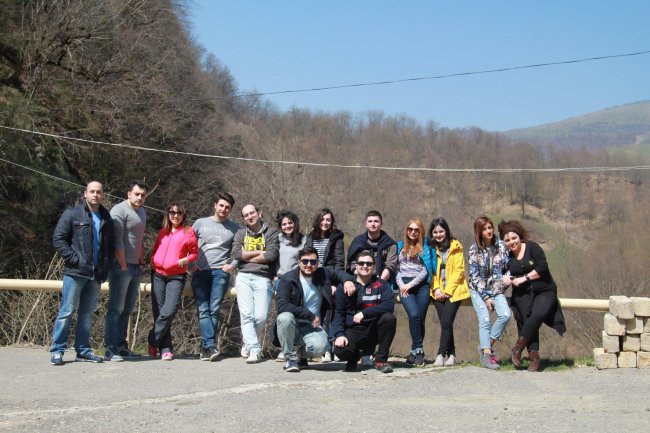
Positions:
{"x": 626, "y": 337}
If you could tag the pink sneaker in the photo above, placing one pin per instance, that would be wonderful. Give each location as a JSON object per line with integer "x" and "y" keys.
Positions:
{"x": 167, "y": 356}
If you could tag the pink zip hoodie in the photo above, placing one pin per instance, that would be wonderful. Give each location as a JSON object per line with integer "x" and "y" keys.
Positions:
{"x": 170, "y": 247}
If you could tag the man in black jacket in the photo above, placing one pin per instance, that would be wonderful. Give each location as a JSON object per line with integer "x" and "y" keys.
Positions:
{"x": 84, "y": 238}
{"x": 303, "y": 299}
{"x": 364, "y": 318}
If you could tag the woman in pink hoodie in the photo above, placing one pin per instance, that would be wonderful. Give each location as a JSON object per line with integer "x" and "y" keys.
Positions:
{"x": 175, "y": 247}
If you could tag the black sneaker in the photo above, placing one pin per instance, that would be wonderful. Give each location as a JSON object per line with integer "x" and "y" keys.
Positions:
{"x": 126, "y": 353}
{"x": 205, "y": 354}
{"x": 419, "y": 359}
{"x": 57, "y": 358}
{"x": 351, "y": 366}
{"x": 292, "y": 366}
{"x": 303, "y": 363}
{"x": 410, "y": 359}
{"x": 384, "y": 367}
{"x": 89, "y": 357}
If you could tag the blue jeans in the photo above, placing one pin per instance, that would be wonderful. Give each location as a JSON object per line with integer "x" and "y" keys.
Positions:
{"x": 485, "y": 331}
{"x": 84, "y": 293}
{"x": 416, "y": 305}
{"x": 123, "y": 292}
{"x": 209, "y": 288}
{"x": 254, "y": 295}
{"x": 292, "y": 333}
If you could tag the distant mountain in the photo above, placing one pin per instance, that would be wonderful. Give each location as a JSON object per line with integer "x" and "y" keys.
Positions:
{"x": 613, "y": 127}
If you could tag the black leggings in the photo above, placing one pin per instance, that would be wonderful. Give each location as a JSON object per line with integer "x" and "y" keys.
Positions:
{"x": 446, "y": 314}
{"x": 531, "y": 309}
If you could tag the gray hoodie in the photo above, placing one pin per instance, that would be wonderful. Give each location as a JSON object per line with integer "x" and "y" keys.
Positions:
{"x": 265, "y": 239}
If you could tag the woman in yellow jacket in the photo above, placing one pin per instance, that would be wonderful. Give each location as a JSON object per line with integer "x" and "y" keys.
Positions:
{"x": 448, "y": 286}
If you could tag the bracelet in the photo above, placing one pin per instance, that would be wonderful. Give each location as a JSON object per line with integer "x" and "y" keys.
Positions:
{"x": 527, "y": 277}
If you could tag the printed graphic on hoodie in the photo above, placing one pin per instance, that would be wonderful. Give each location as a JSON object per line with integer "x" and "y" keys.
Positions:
{"x": 254, "y": 243}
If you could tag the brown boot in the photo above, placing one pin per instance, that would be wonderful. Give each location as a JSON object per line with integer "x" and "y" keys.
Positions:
{"x": 534, "y": 360}
{"x": 516, "y": 351}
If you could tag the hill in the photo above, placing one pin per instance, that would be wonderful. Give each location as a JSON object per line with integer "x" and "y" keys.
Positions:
{"x": 613, "y": 127}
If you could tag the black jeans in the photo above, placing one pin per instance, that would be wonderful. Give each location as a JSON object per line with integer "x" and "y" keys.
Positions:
{"x": 446, "y": 315}
{"x": 165, "y": 294}
{"x": 380, "y": 331}
{"x": 531, "y": 309}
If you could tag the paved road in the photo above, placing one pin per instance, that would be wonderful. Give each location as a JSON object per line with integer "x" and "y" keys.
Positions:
{"x": 187, "y": 395}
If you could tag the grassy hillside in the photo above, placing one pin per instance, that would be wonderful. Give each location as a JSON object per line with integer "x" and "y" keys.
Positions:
{"x": 617, "y": 126}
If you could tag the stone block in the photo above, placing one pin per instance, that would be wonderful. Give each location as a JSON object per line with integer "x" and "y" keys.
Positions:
{"x": 631, "y": 343}
{"x": 634, "y": 326}
{"x": 627, "y": 360}
{"x": 611, "y": 343}
{"x": 613, "y": 325}
{"x": 643, "y": 360}
{"x": 645, "y": 342}
{"x": 641, "y": 306}
{"x": 604, "y": 360}
{"x": 621, "y": 307}
{"x": 646, "y": 325}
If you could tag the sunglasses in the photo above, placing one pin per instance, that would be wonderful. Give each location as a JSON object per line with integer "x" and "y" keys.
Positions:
{"x": 365, "y": 264}
{"x": 413, "y": 229}
{"x": 312, "y": 262}
{"x": 175, "y": 213}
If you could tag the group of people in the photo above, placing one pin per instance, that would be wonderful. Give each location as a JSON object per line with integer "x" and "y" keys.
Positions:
{"x": 329, "y": 304}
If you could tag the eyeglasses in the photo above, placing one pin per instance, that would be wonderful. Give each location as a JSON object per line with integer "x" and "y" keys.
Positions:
{"x": 365, "y": 264}
{"x": 173, "y": 213}
{"x": 413, "y": 229}
{"x": 306, "y": 262}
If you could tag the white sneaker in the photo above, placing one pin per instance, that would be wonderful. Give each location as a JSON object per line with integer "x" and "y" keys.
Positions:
{"x": 245, "y": 353}
{"x": 451, "y": 361}
{"x": 280, "y": 357}
{"x": 327, "y": 357}
{"x": 336, "y": 358}
{"x": 440, "y": 361}
{"x": 253, "y": 358}
{"x": 366, "y": 361}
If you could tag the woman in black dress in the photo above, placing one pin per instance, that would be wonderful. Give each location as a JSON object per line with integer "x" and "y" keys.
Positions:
{"x": 534, "y": 293}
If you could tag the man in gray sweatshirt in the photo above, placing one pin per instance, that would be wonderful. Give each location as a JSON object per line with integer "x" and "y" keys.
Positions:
{"x": 129, "y": 223}
{"x": 211, "y": 273}
{"x": 256, "y": 248}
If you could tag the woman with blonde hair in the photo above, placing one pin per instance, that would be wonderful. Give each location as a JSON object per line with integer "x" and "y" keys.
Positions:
{"x": 416, "y": 265}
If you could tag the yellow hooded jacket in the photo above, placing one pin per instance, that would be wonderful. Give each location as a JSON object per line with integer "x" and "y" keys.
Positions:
{"x": 456, "y": 286}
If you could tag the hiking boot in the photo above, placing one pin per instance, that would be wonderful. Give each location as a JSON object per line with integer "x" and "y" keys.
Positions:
{"x": 57, "y": 358}
{"x": 384, "y": 367}
{"x": 292, "y": 366}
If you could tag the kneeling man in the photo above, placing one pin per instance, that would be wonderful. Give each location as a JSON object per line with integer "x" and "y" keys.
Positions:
{"x": 304, "y": 297}
{"x": 364, "y": 319}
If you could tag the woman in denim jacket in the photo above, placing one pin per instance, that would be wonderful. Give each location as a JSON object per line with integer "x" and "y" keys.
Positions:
{"x": 417, "y": 263}
{"x": 488, "y": 261}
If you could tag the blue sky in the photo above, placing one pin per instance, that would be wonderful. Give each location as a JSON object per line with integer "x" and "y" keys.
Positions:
{"x": 283, "y": 45}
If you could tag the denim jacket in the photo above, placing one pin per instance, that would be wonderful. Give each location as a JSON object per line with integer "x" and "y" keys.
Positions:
{"x": 479, "y": 273}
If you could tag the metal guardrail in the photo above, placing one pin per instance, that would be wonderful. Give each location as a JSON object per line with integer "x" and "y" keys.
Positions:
{"x": 574, "y": 304}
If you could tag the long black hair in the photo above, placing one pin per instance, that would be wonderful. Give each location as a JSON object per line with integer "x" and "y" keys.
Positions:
{"x": 444, "y": 245}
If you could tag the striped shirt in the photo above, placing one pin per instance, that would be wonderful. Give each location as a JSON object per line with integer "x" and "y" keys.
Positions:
{"x": 320, "y": 245}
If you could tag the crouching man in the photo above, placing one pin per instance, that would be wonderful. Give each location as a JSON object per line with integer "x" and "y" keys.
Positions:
{"x": 304, "y": 297}
{"x": 364, "y": 319}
